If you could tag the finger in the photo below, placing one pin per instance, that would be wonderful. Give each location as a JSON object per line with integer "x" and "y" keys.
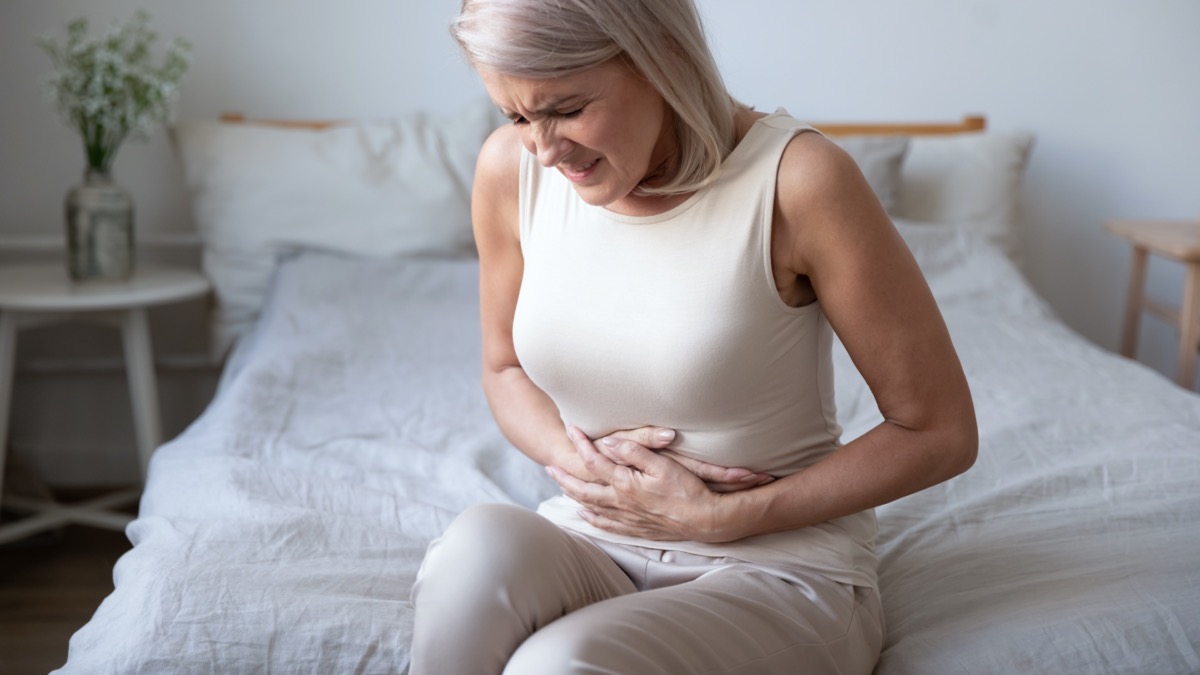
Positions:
{"x": 607, "y": 524}
{"x": 655, "y": 438}
{"x": 709, "y": 473}
{"x": 740, "y": 485}
{"x": 713, "y": 473}
{"x": 604, "y": 446}
{"x": 581, "y": 491}
{"x": 579, "y": 471}
{"x": 611, "y": 520}
{"x": 603, "y": 522}
{"x": 637, "y": 456}
{"x": 595, "y": 462}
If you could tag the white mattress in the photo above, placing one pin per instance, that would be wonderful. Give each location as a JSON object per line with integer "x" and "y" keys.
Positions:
{"x": 282, "y": 531}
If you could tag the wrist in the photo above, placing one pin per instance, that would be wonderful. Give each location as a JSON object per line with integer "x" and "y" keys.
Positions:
{"x": 564, "y": 456}
{"x": 723, "y": 519}
{"x": 746, "y": 513}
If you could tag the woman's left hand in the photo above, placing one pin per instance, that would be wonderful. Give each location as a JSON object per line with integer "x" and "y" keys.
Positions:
{"x": 647, "y": 495}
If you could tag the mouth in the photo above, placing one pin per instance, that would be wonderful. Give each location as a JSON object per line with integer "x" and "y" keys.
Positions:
{"x": 579, "y": 172}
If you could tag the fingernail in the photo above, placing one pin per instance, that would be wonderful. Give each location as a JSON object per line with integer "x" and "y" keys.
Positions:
{"x": 665, "y": 434}
{"x": 550, "y": 470}
{"x": 574, "y": 432}
{"x": 610, "y": 441}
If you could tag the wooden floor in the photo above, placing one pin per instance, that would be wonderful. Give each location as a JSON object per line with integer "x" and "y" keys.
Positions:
{"x": 50, "y": 585}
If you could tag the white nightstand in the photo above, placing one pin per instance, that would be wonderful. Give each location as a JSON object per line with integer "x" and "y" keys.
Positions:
{"x": 36, "y": 295}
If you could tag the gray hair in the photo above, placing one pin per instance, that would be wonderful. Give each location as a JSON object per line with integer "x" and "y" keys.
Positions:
{"x": 662, "y": 39}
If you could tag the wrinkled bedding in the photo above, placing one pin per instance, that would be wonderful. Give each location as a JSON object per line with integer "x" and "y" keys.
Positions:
{"x": 283, "y": 530}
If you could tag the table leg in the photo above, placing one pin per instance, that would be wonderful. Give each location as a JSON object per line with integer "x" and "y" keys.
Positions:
{"x": 8, "y": 345}
{"x": 143, "y": 390}
{"x": 1133, "y": 304}
{"x": 1189, "y": 326}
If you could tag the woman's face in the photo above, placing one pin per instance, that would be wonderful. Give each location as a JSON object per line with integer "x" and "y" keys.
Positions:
{"x": 606, "y": 129}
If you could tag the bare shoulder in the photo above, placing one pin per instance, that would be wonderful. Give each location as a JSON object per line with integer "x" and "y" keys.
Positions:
{"x": 822, "y": 200}
{"x": 499, "y": 163}
{"x": 815, "y": 173}
{"x": 497, "y": 182}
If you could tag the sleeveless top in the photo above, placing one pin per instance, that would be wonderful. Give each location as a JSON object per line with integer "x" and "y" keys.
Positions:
{"x": 674, "y": 320}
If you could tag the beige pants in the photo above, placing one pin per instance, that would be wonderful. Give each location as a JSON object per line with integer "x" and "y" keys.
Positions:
{"x": 507, "y": 591}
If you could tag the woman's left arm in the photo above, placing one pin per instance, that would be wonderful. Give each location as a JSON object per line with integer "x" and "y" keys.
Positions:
{"x": 831, "y": 230}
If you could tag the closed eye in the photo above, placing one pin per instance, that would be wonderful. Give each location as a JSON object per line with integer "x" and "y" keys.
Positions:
{"x": 519, "y": 120}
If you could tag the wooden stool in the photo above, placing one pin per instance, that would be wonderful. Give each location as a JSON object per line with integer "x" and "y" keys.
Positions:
{"x": 1177, "y": 240}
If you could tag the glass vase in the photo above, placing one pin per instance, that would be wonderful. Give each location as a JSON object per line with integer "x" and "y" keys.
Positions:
{"x": 99, "y": 217}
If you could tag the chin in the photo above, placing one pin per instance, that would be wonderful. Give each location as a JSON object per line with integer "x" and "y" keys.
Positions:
{"x": 597, "y": 195}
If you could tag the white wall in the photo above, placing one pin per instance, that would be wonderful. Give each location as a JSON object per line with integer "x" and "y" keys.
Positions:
{"x": 1109, "y": 87}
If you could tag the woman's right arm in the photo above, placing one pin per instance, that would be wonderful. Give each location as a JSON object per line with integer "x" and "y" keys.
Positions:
{"x": 524, "y": 413}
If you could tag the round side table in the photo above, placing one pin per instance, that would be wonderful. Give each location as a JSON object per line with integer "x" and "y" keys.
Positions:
{"x": 37, "y": 295}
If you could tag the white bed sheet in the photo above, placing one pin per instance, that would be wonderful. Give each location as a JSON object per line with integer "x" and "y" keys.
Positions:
{"x": 1073, "y": 544}
{"x": 282, "y": 531}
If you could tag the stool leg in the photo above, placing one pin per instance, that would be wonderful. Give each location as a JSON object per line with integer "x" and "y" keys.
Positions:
{"x": 143, "y": 390}
{"x": 1189, "y": 326}
{"x": 1133, "y": 305}
{"x": 8, "y": 347}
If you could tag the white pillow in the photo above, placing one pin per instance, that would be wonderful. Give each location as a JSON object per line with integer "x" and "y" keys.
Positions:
{"x": 880, "y": 158}
{"x": 385, "y": 188}
{"x": 973, "y": 180}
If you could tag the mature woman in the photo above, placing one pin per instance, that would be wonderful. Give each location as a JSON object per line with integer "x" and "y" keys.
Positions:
{"x": 662, "y": 271}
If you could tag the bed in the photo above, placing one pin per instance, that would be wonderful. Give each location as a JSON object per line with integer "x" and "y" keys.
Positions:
{"x": 282, "y": 531}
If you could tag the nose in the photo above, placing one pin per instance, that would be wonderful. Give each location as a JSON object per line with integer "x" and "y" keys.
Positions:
{"x": 551, "y": 146}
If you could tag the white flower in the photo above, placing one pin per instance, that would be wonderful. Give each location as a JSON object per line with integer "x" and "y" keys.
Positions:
{"x": 108, "y": 88}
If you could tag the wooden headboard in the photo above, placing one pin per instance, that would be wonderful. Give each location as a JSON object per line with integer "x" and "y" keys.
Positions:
{"x": 315, "y": 125}
{"x": 969, "y": 123}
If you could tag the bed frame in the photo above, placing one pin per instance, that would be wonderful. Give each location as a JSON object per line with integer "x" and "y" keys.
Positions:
{"x": 968, "y": 124}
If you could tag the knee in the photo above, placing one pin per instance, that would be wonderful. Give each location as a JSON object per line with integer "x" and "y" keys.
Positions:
{"x": 486, "y": 547}
{"x": 563, "y": 652}
{"x": 486, "y": 536}
{"x": 465, "y": 619}
{"x": 480, "y": 526}
{"x": 574, "y": 645}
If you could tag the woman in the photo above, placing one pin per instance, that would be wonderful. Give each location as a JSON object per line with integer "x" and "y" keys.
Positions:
{"x": 661, "y": 272}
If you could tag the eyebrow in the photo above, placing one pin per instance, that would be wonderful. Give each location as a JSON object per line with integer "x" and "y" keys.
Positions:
{"x": 549, "y": 108}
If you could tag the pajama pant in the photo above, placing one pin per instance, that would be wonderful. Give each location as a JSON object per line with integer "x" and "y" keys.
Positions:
{"x": 506, "y": 591}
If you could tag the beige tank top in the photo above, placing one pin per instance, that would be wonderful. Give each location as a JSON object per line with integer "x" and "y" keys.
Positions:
{"x": 674, "y": 320}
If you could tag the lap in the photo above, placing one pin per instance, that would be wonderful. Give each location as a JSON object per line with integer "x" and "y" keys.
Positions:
{"x": 505, "y": 586}
{"x": 735, "y": 618}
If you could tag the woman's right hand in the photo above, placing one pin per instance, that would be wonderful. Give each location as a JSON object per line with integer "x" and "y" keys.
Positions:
{"x": 657, "y": 439}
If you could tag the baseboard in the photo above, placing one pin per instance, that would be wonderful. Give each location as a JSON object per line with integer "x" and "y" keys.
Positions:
{"x": 55, "y": 243}
{"x": 115, "y": 365}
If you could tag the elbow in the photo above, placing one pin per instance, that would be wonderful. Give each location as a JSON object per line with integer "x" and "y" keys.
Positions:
{"x": 947, "y": 439}
{"x": 959, "y": 435}
{"x": 493, "y": 376}
{"x": 968, "y": 450}
{"x": 951, "y": 445}
{"x": 962, "y": 445}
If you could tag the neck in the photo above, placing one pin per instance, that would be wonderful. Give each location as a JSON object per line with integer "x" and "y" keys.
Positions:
{"x": 664, "y": 161}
